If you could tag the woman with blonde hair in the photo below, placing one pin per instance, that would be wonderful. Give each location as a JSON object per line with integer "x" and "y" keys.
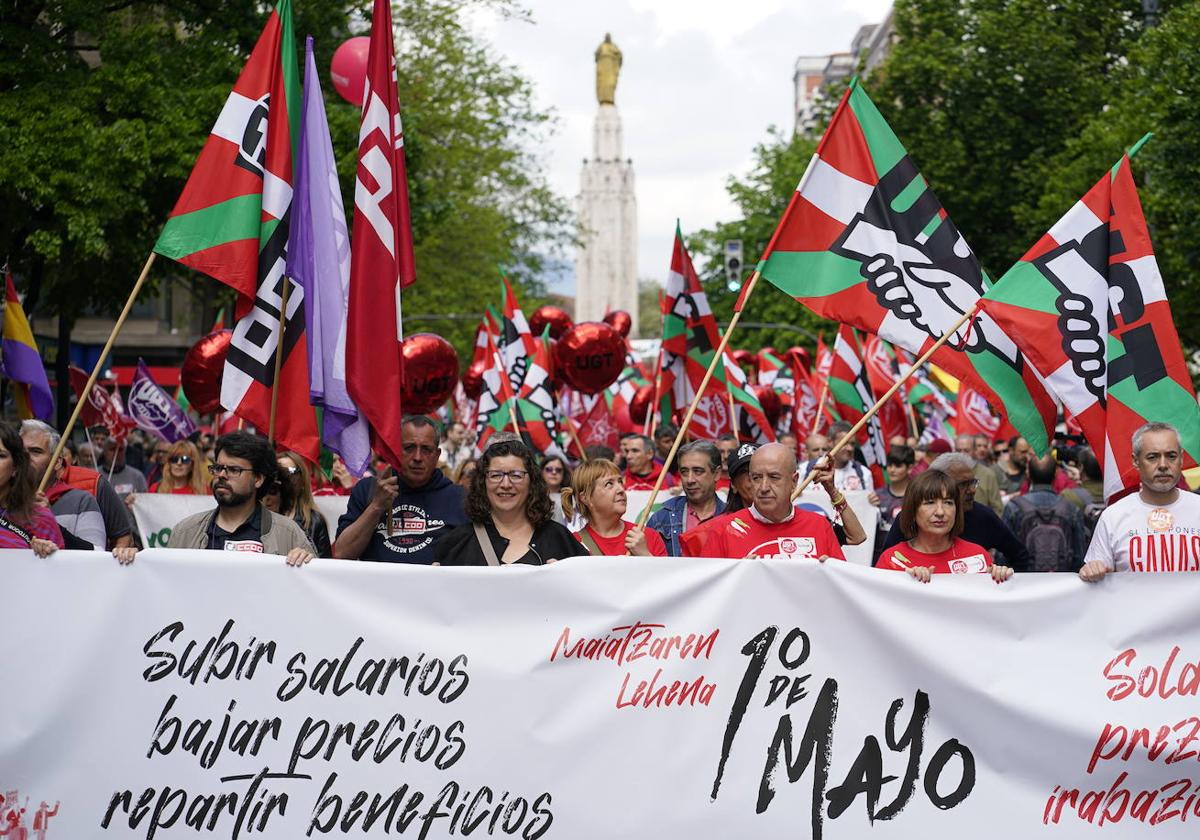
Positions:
{"x": 293, "y": 470}
{"x": 598, "y": 493}
{"x": 182, "y": 471}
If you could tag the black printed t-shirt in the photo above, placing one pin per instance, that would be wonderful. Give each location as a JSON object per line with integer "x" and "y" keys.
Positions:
{"x": 242, "y": 538}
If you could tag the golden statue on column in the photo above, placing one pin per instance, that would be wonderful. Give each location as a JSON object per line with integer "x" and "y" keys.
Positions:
{"x": 608, "y": 67}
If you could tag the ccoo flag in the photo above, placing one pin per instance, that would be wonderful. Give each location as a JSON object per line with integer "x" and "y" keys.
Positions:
{"x": 319, "y": 259}
{"x": 382, "y": 258}
{"x": 864, "y": 241}
{"x": 232, "y": 222}
{"x": 1088, "y": 307}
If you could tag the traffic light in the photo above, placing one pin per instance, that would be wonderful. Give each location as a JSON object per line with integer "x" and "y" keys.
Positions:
{"x": 733, "y": 264}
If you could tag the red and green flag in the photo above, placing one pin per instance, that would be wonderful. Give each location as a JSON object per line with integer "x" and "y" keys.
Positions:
{"x": 752, "y": 423}
{"x": 232, "y": 223}
{"x": 537, "y": 408}
{"x": 865, "y": 241}
{"x": 497, "y": 400}
{"x": 850, "y": 390}
{"x": 882, "y": 373}
{"x": 690, "y": 338}
{"x": 516, "y": 341}
{"x": 1088, "y": 307}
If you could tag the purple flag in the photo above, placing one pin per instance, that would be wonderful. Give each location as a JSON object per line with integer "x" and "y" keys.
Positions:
{"x": 154, "y": 410}
{"x": 319, "y": 260}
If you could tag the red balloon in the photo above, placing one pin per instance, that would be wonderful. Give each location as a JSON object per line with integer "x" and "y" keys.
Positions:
{"x": 772, "y": 406}
{"x": 472, "y": 379}
{"x": 557, "y": 319}
{"x": 639, "y": 406}
{"x": 590, "y": 356}
{"x": 349, "y": 69}
{"x": 202, "y": 369}
{"x": 620, "y": 321}
{"x": 430, "y": 373}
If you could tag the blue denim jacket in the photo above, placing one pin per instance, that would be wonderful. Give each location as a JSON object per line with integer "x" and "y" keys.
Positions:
{"x": 669, "y": 519}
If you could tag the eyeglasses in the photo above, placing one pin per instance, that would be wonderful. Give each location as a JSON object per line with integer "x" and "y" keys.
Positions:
{"x": 515, "y": 476}
{"x": 554, "y": 469}
{"x": 180, "y": 459}
{"x": 226, "y": 469}
{"x": 969, "y": 483}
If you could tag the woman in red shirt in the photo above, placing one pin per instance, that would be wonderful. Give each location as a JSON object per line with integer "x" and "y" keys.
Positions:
{"x": 182, "y": 471}
{"x": 598, "y": 491}
{"x": 932, "y": 519}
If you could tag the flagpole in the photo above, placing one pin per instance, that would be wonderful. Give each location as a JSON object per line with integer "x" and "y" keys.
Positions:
{"x": 912, "y": 420}
{"x": 850, "y": 435}
{"x": 570, "y": 424}
{"x": 87, "y": 389}
{"x": 652, "y": 413}
{"x": 287, "y": 285}
{"x": 718, "y": 358}
{"x": 820, "y": 405}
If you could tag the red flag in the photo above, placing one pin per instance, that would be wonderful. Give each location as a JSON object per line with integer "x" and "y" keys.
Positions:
{"x": 598, "y": 427}
{"x": 882, "y": 374}
{"x": 974, "y": 414}
{"x": 804, "y": 408}
{"x": 381, "y": 261}
{"x": 103, "y": 408}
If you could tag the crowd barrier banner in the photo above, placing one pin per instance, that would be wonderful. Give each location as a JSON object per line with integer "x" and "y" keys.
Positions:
{"x": 157, "y": 513}
{"x": 223, "y": 695}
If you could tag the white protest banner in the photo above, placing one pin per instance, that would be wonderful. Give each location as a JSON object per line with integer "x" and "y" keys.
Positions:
{"x": 219, "y": 695}
{"x": 157, "y": 513}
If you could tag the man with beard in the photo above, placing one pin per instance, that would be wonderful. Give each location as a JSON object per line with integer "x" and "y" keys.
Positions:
{"x": 771, "y": 527}
{"x": 981, "y": 525}
{"x": 396, "y": 518}
{"x": 1154, "y": 529}
{"x": 244, "y": 469}
{"x": 699, "y": 466}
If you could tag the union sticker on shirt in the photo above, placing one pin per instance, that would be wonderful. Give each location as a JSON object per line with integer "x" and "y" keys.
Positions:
{"x": 968, "y": 565}
{"x": 1160, "y": 519}
{"x": 785, "y": 547}
{"x": 244, "y": 545}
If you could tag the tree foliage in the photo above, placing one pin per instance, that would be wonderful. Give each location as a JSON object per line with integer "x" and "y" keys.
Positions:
{"x": 105, "y": 108}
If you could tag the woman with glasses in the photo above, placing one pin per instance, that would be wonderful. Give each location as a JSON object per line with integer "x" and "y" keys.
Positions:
{"x": 510, "y": 513}
{"x": 931, "y": 518}
{"x": 182, "y": 472}
{"x": 556, "y": 473}
{"x": 293, "y": 473}
{"x": 599, "y": 495}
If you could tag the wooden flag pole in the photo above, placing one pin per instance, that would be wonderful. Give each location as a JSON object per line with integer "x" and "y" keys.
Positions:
{"x": 287, "y": 285}
{"x": 87, "y": 389}
{"x": 718, "y": 358}
{"x": 820, "y": 405}
{"x": 912, "y": 420}
{"x": 570, "y": 424}
{"x": 849, "y": 436}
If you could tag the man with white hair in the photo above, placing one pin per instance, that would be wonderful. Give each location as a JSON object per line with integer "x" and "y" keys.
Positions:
{"x": 981, "y": 525}
{"x": 772, "y": 527}
{"x": 1155, "y": 529}
{"x": 77, "y": 511}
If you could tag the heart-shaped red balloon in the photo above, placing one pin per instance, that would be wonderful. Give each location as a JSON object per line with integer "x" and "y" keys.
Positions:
{"x": 620, "y": 321}
{"x": 430, "y": 373}
{"x": 590, "y": 356}
{"x": 202, "y": 369}
{"x": 639, "y": 406}
{"x": 472, "y": 379}
{"x": 772, "y": 405}
{"x": 557, "y": 319}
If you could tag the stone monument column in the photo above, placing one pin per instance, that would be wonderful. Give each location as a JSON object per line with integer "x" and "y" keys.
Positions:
{"x": 606, "y": 263}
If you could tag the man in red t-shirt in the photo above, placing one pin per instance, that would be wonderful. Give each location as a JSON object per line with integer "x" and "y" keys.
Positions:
{"x": 641, "y": 472}
{"x": 772, "y": 526}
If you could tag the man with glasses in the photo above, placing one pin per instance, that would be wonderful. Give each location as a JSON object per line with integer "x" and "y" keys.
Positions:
{"x": 394, "y": 518}
{"x": 699, "y": 466}
{"x": 243, "y": 469}
{"x": 981, "y": 525}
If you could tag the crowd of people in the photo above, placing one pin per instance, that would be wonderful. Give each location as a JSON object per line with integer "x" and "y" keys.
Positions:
{"x": 975, "y": 506}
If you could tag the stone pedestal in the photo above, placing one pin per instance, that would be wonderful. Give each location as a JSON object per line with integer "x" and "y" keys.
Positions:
{"x": 606, "y": 263}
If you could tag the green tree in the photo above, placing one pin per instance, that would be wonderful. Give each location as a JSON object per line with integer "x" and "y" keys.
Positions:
{"x": 761, "y": 197}
{"x": 106, "y": 107}
{"x": 1157, "y": 90}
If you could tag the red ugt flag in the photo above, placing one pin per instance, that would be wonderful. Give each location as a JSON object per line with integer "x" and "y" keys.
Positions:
{"x": 381, "y": 261}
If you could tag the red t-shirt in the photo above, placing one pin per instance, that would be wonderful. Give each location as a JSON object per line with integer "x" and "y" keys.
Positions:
{"x": 615, "y": 546}
{"x": 743, "y": 535}
{"x": 646, "y": 482}
{"x": 960, "y": 558}
{"x": 178, "y": 491}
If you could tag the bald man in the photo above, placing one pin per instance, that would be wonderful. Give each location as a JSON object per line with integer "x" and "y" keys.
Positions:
{"x": 771, "y": 526}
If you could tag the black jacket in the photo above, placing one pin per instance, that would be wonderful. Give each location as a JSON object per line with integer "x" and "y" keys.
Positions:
{"x": 550, "y": 541}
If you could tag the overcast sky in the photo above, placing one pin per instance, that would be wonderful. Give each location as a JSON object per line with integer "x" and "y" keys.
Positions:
{"x": 701, "y": 82}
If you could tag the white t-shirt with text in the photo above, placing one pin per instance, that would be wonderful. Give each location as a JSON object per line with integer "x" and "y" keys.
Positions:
{"x": 1132, "y": 536}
